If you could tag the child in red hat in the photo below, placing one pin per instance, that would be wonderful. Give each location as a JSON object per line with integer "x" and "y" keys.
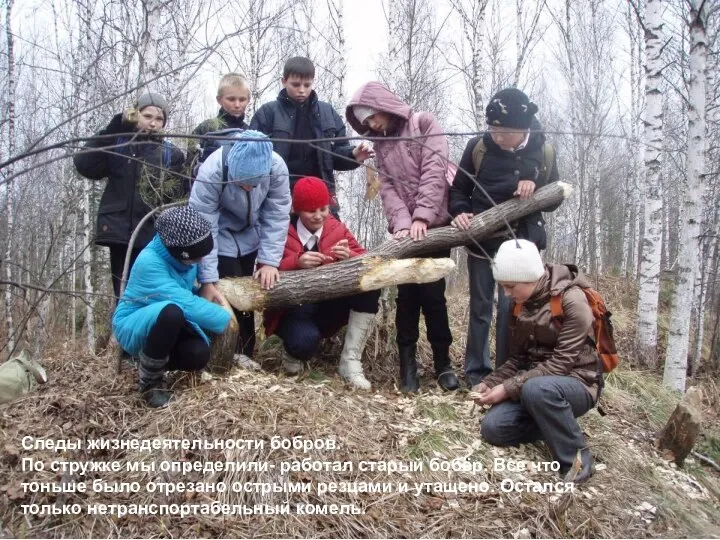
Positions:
{"x": 316, "y": 238}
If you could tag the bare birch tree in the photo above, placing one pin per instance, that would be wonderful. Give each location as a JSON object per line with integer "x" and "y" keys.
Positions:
{"x": 646, "y": 340}
{"x": 676, "y": 360}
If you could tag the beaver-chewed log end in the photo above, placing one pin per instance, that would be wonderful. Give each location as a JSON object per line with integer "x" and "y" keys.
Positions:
{"x": 399, "y": 271}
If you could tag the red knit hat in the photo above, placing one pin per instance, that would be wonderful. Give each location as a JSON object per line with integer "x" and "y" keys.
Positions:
{"x": 310, "y": 193}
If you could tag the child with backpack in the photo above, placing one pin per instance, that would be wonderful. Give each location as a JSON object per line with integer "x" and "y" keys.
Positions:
{"x": 554, "y": 373}
{"x": 512, "y": 159}
{"x": 160, "y": 317}
{"x": 233, "y": 96}
{"x": 138, "y": 164}
{"x": 414, "y": 193}
{"x": 243, "y": 191}
{"x": 315, "y": 238}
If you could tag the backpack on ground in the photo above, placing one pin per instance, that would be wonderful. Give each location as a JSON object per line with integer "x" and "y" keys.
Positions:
{"x": 479, "y": 151}
{"x": 602, "y": 324}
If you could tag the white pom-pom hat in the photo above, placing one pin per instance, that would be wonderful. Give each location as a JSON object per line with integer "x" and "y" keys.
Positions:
{"x": 518, "y": 261}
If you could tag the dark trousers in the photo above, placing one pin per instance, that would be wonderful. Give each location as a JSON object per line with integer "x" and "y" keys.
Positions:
{"x": 173, "y": 337}
{"x": 477, "y": 350}
{"x": 430, "y": 298}
{"x": 303, "y": 326}
{"x": 547, "y": 410}
{"x": 242, "y": 266}
{"x": 117, "y": 262}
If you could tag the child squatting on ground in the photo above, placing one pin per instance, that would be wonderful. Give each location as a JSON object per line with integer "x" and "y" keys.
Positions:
{"x": 316, "y": 238}
{"x": 414, "y": 192}
{"x": 161, "y": 317}
{"x": 553, "y": 373}
{"x": 249, "y": 215}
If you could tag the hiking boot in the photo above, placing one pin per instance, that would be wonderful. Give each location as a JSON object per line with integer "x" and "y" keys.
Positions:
{"x": 409, "y": 381}
{"x": 358, "y": 330}
{"x": 443, "y": 368}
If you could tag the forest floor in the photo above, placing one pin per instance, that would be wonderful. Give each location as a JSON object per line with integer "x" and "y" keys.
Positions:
{"x": 634, "y": 492}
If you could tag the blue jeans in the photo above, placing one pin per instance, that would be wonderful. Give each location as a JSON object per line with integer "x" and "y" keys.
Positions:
{"x": 477, "y": 351}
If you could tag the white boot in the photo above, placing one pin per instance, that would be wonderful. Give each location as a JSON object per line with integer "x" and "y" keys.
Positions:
{"x": 358, "y": 330}
{"x": 291, "y": 365}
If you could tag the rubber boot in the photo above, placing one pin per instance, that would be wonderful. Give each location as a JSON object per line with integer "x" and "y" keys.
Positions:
{"x": 409, "y": 381}
{"x": 443, "y": 368}
{"x": 358, "y": 330}
{"x": 152, "y": 381}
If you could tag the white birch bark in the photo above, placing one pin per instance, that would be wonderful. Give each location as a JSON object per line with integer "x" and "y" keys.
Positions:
{"x": 85, "y": 96}
{"x": 689, "y": 239}
{"x": 9, "y": 210}
{"x": 646, "y": 339}
{"x": 149, "y": 60}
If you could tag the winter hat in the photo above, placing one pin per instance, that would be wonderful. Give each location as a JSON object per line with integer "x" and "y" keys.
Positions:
{"x": 362, "y": 112}
{"x": 185, "y": 233}
{"x": 309, "y": 194}
{"x": 250, "y": 161}
{"x": 517, "y": 261}
{"x": 152, "y": 99}
{"x": 510, "y": 108}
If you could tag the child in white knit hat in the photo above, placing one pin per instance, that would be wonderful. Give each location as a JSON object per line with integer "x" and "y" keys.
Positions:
{"x": 553, "y": 373}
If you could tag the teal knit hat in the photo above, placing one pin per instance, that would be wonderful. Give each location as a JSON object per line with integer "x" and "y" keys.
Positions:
{"x": 249, "y": 161}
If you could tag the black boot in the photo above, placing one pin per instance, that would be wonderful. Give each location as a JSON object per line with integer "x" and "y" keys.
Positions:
{"x": 152, "y": 381}
{"x": 409, "y": 381}
{"x": 443, "y": 368}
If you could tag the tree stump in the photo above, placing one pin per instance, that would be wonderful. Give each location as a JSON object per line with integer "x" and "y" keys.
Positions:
{"x": 682, "y": 429}
{"x": 222, "y": 347}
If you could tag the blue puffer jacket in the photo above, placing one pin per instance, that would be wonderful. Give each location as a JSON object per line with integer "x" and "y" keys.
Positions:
{"x": 242, "y": 221}
{"x": 158, "y": 279}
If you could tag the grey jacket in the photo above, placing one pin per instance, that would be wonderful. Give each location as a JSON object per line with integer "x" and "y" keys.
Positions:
{"x": 242, "y": 221}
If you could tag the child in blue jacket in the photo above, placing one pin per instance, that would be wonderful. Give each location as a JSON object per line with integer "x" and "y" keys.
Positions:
{"x": 159, "y": 317}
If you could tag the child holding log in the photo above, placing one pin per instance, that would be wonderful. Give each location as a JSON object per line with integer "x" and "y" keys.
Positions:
{"x": 414, "y": 193}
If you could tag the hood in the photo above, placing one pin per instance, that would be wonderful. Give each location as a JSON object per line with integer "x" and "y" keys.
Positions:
{"x": 377, "y": 96}
{"x": 557, "y": 278}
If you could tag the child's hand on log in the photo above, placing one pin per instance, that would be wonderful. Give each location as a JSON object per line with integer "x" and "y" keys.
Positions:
{"x": 210, "y": 293}
{"x": 525, "y": 189}
{"x": 341, "y": 250}
{"x": 462, "y": 221}
{"x": 418, "y": 230}
{"x": 268, "y": 276}
{"x": 313, "y": 259}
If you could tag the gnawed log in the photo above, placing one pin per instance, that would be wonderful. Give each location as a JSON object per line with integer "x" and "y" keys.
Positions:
{"x": 335, "y": 280}
{"x": 678, "y": 436}
{"x": 343, "y": 278}
{"x": 222, "y": 348}
{"x": 482, "y": 226}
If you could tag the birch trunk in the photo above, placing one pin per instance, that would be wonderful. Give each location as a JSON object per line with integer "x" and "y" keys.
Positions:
{"x": 646, "y": 339}
{"x": 10, "y": 326}
{"x": 149, "y": 61}
{"x": 679, "y": 335}
{"x": 85, "y": 95}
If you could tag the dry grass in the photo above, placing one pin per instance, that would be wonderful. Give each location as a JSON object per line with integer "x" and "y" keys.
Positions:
{"x": 86, "y": 399}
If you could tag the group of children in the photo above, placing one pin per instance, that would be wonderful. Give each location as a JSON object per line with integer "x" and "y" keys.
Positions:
{"x": 267, "y": 203}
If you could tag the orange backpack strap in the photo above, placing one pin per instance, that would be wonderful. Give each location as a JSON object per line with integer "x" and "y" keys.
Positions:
{"x": 556, "y": 308}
